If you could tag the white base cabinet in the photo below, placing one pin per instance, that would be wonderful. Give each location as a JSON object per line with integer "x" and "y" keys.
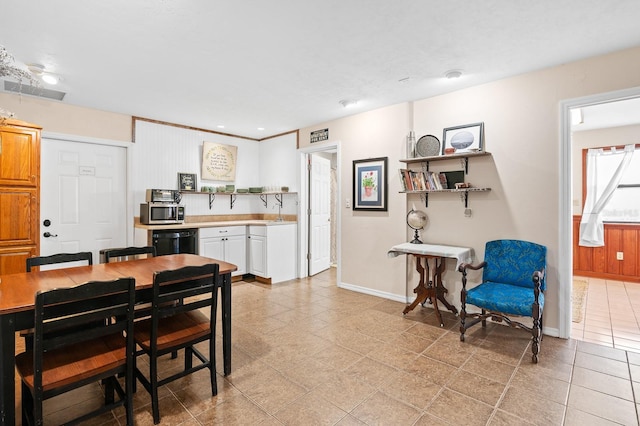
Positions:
{"x": 227, "y": 243}
{"x": 272, "y": 252}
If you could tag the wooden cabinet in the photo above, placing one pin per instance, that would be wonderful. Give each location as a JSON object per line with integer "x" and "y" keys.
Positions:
{"x": 19, "y": 194}
{"x": 272, "y": 252}
{"x": 227, "y": 243}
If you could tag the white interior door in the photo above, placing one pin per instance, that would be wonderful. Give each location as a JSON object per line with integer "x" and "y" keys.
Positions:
{"x": 82, "y": 198}
{"x": 320, "y": 214}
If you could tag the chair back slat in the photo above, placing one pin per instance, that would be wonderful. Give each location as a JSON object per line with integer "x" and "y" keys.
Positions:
{"x": 513, "y": 262}
{"x": 78, "y": 314}
{"x": 85, "y": 256}
{"x": 127, "y": 253}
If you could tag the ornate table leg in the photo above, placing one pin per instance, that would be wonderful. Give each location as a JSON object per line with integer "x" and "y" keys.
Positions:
{"x": 421, "y": 290}
{"x": 441, "y": 290}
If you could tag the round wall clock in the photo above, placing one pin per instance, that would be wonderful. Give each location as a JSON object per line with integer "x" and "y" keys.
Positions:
{"x": 428, "y": 146}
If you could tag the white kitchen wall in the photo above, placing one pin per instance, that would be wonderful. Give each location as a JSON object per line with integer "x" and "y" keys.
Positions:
{"x": 160, "y": 152}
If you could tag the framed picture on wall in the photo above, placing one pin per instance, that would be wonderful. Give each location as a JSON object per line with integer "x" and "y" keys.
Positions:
{"x": 370, "y": 184}
{"x": 465, "y": 138}
{"x": 187, "y": 181}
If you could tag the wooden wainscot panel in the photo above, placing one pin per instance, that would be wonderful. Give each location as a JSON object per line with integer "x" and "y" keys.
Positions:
{"x": 602, "y": 262}
{"x": 630, "y": 245}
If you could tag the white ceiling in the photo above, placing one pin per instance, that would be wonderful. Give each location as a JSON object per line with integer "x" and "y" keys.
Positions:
{"x": 286, "y": 64}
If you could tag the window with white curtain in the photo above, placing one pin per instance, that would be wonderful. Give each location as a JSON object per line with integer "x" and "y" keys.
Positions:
{"x": 624, "y": 205}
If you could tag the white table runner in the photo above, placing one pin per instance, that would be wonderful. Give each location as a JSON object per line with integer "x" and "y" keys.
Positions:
{"x": 461, "y": 254}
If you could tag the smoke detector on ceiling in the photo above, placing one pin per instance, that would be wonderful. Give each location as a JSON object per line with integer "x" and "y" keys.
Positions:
{"x": 346, "y": 103}
{"x": 453, "y": 74}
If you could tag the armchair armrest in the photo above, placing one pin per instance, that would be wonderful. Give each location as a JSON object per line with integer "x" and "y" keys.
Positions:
{"x": 463, "y": 268}
{"x": 537, "y": 278}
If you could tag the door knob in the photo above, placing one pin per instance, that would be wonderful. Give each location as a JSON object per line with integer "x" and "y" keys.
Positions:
{"x": 49, "y": 234}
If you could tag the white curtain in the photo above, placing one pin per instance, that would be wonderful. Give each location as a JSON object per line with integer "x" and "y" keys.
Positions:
{"x": 591, "y": 225}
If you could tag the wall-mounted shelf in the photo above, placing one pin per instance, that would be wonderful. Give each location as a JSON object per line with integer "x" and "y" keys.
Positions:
{"x": 232, "y": 196}
{"x": 464, "y": 194}
{"x": 464, "y": 163}
{"x": 463, "y": 157}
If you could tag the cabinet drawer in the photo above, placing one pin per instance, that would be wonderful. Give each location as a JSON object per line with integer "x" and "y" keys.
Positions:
{"x": 222, "y": 231}
{"x": 258, "y": 230}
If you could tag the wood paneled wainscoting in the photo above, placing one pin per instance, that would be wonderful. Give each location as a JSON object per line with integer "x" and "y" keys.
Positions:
{"x": 602, "y": 262}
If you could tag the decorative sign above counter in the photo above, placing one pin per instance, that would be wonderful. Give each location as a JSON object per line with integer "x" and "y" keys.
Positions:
{"x": 219, "y": 161}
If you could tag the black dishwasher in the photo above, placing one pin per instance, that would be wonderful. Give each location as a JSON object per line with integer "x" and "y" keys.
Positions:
{"x": 173, "y": 241}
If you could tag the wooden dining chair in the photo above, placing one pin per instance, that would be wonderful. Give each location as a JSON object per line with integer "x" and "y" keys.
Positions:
{"x": 54, "y": 259}
{"x": 127, "y": 253}
{"x": 62, "y": 360}
{"x": 174, "y": 327}
{"x": 85, "y": 256}
{"x": 131, "y": 253}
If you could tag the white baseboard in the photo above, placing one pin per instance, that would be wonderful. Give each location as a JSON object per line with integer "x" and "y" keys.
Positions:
{"x": 371, "y": 292}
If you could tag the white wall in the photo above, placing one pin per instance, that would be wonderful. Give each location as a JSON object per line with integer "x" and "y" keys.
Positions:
{"x": 162, "y": 151}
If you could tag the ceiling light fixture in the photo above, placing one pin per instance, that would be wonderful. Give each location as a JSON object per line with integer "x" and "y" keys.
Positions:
{"x": 50, "y": 79}
{"x": 261, "y": 128}
{"x": 220, "y": 126}
{"x": 453, "y": 74}
{"x": 47, "y": 77}
{"x": 348, "y": 103}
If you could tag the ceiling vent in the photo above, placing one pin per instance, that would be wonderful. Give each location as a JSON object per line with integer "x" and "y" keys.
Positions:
{"x": 26, "y": 89}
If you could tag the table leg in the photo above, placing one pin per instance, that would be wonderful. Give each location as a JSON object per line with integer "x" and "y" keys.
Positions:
{"x": 430, "y": 287}
{"x": 441, "y": 290}
{"x": 7, "y": 374}
{"x": 433, "y": 288}
{"x": 226, "y": 322}
{"x": 423, "y": 290}
{"x": 420, "y": 290}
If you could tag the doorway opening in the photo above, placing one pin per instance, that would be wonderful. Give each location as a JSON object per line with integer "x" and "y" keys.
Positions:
{"x": 594, "y": 322}
{"x": 319, "y": 237}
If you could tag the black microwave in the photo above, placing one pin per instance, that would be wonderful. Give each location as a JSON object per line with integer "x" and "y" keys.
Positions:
{"x": 161, "y": 213}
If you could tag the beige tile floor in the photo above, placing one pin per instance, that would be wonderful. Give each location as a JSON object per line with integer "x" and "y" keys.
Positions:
{"x": 308, "y": 353}
{"x": 611, "y": 314}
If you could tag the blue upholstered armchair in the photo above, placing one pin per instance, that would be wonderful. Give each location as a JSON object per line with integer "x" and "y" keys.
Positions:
{"x": 513, "y": 284}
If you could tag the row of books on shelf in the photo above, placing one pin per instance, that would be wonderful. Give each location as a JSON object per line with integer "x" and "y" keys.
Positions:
{"x": 413, "y": 180}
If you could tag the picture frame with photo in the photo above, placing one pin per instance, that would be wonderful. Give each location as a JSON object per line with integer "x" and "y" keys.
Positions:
{"x": 464, "y": 138}
{"x": 370, "y": 184}
{"x": 187, "y": 182}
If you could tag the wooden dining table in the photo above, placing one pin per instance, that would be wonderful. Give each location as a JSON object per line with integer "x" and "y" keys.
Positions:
{"x": 17, "y": 296}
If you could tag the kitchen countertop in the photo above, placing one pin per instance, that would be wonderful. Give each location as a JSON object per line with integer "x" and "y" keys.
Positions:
{"x": 191, "y": 225}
